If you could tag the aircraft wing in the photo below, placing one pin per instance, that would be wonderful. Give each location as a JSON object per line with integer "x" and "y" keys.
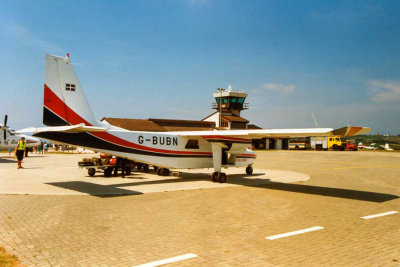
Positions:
{"x": 79, "y": 128}
{"x": 279, "y": 133}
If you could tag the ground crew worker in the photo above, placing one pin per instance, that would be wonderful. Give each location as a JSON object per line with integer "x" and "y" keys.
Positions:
{"x": 19, "y": 151}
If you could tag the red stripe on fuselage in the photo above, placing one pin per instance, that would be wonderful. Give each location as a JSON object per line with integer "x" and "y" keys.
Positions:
{"x": 57, "y": 106}
{"x": 246, "y": 155}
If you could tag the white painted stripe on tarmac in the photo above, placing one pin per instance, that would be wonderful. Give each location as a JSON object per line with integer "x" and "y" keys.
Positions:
{"x": 170, "y": 260}
{"x": 379, "y": 215}
{"x": 315, "y": 228}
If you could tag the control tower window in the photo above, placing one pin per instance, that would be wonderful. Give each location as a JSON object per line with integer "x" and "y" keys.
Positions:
{"x": 218, "y": 99}
{"x": 192, "y": 144}
{"x": 240, "y": 100}
{"x": 226, "y": 100}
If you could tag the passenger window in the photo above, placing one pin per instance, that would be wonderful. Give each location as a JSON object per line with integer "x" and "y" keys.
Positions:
{"x": 337, "y": 139}
{"x": 330, "y": 139}
{"x": 192, "y": 144}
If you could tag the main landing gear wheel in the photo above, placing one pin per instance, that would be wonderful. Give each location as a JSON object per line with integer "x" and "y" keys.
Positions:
{"x": 221, "y": 177}
{"x": 249, "y": 170}
{"x": 91, "y": 171}
{"x": 214, "y": 176}
{"x": 128, "y": 170}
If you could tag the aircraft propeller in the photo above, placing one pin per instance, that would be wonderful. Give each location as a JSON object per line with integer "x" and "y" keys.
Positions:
{"x": 5, "y": 127}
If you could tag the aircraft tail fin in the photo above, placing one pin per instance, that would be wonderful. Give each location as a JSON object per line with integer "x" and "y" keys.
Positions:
{"x": 64, "y": 101}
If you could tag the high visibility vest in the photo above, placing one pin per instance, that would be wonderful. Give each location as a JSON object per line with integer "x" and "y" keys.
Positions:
{"x": 21, "y": 145}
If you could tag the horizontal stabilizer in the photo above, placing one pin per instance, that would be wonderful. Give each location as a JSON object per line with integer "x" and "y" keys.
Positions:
{"x": 79, "y": 128}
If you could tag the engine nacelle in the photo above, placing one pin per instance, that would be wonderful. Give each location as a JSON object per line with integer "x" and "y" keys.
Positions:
{"x": 245, "y": 158}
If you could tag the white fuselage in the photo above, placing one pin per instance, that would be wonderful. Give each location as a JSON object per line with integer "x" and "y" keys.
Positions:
{"x": 160, "y": 149}
{"x": 12, "y": 139}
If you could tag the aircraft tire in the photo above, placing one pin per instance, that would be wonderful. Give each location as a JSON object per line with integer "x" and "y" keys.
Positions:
{"x": 91, "y": 171}
{"x": 249, "y": 170}
{"x": 165, "y": 172}
{"x": 145, "y": 168}
{"x": 108, "y": 171}
{"x": 128, "y": 170}
{"x": 214, "y": 177}
{"x": 221, "y": 177}
{"x": 159, "y": 171}
{"x": 139, "y": 166}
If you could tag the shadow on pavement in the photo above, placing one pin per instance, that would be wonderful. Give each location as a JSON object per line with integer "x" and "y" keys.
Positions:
{"x": 8, "y": 160}
{"x": 330, "y": 192}
{"x": 113, "y": 190}
{"x": 103, "y": 191}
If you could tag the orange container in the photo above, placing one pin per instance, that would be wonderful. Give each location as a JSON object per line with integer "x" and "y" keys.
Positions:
{"x": 113, "y": 161}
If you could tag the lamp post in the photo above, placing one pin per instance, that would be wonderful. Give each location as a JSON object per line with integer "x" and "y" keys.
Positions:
{"x": 220, "y": 90}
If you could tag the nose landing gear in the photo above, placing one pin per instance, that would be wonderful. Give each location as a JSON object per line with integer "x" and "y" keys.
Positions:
{"x": 249, "y": 170}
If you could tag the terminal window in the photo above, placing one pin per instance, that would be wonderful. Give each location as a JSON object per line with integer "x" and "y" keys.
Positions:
{"x": 70, "y": 87}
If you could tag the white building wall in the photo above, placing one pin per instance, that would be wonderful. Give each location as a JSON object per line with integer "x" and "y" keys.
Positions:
{"x": 214, "y": 118}
{"x": 279, "y": 144}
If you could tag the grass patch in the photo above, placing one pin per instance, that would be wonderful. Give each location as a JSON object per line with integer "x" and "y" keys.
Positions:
{"x": 8, "y": 260}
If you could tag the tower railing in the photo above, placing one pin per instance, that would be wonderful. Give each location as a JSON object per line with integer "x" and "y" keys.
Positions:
{"x": 215, "y": 105}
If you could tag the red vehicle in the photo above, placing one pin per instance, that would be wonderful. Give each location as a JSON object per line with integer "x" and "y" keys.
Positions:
{"x": 351, "y": 147}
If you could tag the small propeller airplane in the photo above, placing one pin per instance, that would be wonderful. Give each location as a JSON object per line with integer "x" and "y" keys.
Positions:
{"x": 374, "y": 146}
{"x": 9, "y": 138}
{"x": 70, "y": 120}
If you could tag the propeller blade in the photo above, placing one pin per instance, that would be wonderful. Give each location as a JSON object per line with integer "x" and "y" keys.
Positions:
{"x": 5, "y": 121}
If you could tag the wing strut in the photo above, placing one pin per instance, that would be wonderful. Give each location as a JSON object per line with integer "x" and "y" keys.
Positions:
{"x": 217, "y": 176}
{"x": 217, "y": 156}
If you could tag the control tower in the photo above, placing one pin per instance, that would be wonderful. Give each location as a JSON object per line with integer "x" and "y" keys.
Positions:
{"x": 228, "y": 105}
{"x": 229, "y": 102}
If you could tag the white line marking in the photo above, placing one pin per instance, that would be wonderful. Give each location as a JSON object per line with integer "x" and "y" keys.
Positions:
{"x": 166, "y": 261}
{"x": 315, "y": 228}
{"x": 379, "y": 215}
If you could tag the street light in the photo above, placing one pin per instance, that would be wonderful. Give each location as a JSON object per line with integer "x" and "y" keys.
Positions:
{"x": 220, "y": 90}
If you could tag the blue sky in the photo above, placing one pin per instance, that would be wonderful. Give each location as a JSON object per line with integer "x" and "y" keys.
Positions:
{"x": 164, "y": 59}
